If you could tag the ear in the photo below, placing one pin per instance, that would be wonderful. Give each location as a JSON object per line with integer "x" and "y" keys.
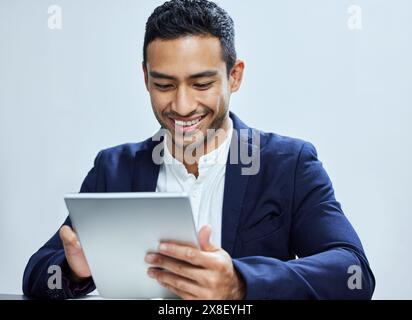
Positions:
{"x": 146, "y": 77}
{"x": 236, "y": 76}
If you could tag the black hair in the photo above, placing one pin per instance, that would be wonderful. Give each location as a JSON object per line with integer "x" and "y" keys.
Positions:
{"x": 179, "y": 18}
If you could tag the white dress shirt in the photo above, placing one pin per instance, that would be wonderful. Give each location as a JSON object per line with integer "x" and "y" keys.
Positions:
{"x": 205, "y": 191}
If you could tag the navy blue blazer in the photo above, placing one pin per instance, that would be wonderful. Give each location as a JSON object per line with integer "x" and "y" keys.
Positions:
{"x": 283, "y": 227}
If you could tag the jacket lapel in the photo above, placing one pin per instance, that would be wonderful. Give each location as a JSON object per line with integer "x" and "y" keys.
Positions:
{"x": 146, "y": 171}
{"x": 235, "y": 186}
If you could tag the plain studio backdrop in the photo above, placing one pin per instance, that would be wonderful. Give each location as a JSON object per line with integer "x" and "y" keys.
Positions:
{"x": 336, "y": 73}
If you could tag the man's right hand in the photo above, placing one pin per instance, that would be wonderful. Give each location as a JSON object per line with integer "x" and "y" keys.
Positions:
{"x": 74, "y": 254}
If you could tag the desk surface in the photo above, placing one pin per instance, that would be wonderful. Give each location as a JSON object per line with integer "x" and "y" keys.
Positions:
{"x": 23, "y": 297}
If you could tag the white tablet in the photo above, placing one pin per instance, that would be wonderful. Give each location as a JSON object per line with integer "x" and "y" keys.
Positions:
{"x": 116, "y": 230}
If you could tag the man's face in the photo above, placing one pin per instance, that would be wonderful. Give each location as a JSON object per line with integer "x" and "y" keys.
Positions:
{"x": 188, "y": 85}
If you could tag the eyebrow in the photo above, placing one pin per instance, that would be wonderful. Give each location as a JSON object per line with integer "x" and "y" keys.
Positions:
{"x": 203, "y": 74}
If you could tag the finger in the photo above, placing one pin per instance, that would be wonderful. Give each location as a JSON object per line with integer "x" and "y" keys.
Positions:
{"x": 179, "y": 293}
{"x": 178, "y": 267}
{"x": 204, "y": 239}
{"x": 186, "y": 253}
{"x": 69, "y": 239}
{"x": 178, "y": 283}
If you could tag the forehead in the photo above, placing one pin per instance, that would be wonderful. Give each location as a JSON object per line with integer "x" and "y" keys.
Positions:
{"x": 185, "y": 55}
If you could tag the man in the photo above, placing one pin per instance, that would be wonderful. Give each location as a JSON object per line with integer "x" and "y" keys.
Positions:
{"x": 252, "y": 225}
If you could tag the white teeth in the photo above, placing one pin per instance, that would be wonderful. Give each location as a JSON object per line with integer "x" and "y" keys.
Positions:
{"x": 186, "y": 123}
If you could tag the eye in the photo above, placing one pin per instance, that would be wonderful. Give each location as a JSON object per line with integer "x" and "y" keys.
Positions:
{"x": 163, "y": 87}
{"x": 203, "y": 86}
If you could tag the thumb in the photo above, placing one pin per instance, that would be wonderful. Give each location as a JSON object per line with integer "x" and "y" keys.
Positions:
{"x": 204, "y": 238}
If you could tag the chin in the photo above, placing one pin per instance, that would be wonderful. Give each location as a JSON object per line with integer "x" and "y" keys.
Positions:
{"x": 194, "y": 140}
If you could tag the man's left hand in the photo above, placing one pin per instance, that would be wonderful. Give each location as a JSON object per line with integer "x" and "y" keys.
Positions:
{"x": 206, "y": 273}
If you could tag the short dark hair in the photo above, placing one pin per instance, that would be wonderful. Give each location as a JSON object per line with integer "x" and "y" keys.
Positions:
{"x": 179, "y": 18}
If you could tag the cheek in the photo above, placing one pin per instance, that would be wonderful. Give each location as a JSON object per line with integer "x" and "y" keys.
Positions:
{"x": 214, "y": 99}
{"x": 159, "y": 101}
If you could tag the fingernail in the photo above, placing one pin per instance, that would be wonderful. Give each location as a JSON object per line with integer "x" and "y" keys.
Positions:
{"x": 150, "y": 273}
{"x": 78, "y": 245}
{"x": 162, "y": 247}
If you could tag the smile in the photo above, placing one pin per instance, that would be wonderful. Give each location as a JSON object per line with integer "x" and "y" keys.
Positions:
{"x": 186, "y": 126}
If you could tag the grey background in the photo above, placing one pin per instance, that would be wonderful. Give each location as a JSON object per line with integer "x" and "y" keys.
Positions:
{"x": 65, "y": 94}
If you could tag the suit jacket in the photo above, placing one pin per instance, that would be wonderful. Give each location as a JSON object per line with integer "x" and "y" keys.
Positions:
{"x": 283, "y": 227}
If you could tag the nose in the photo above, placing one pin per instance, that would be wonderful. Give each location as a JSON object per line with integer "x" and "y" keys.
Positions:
{"x": 184, "y": 102}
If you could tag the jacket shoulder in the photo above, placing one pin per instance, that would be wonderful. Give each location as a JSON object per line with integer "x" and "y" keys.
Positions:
{"x": 113, "y": 168}
{"x": 124, "y": 151}
{"x": 277, "y": 144}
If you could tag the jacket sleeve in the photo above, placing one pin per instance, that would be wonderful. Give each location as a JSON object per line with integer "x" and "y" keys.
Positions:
{"x": 331, "y": 263}
{"x": 37, "y": 273}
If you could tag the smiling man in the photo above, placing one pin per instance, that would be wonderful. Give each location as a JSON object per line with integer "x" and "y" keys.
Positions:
{"x": 273, "y": 233}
